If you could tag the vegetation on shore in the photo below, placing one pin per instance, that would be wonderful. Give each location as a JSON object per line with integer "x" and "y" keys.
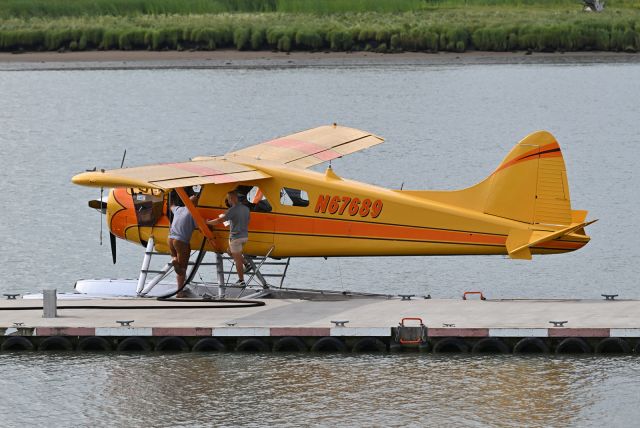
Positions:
{"x": 339, "y": 25}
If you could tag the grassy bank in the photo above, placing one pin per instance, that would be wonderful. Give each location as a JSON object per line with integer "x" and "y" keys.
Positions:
{"x": 445, "y": 25}
{"x": 58, "y": 8}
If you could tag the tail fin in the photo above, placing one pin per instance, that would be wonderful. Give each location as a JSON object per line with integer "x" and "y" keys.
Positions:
{"x": 529, "y": 186}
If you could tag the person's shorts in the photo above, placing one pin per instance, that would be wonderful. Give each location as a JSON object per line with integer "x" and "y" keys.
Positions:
{"x": 236, "y": 245}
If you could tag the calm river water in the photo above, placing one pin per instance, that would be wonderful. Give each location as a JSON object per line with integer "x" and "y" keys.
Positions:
{"x": 446, "y": 127}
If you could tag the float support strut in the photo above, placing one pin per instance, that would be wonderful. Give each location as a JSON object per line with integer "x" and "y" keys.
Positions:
{"x": 220, "y": 271}
{"x": 145, "y": 265}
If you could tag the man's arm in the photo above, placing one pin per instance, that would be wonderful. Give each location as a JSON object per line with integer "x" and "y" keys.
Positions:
{"x": 218, "y": 220}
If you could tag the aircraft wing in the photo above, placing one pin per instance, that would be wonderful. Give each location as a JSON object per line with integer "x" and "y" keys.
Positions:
{"x": 311, "y": 147}
{"x": 171, "y": 175}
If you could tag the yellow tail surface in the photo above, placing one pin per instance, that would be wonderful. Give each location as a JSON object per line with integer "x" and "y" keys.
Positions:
{"x": 529, "y": 186}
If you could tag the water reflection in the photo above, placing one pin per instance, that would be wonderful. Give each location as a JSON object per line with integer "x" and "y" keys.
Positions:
{"x": 294, "y": 390}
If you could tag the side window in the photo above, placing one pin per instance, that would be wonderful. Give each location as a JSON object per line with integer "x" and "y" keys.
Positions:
{"x": 257, "y": 201}
{"x": 148, "y": 204}
{"x": 294, "y": 197}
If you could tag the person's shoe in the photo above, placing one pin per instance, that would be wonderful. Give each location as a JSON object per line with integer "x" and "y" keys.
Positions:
{"x": 240, "y": 283}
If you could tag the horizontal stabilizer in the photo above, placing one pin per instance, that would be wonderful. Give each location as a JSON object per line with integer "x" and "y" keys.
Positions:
{"x": 519, "y": 242}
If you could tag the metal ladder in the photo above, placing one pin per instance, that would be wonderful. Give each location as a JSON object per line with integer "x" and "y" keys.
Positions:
{"x": 275, "y": 268}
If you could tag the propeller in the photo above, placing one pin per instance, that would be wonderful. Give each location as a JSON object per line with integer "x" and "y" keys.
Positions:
{"x": 100, "y": 205}
{"x": 112, "y": 237}
{"x": 112, "y": 240}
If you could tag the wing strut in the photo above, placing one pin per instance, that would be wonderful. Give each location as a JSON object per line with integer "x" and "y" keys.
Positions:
{"x": 200, "y": 221}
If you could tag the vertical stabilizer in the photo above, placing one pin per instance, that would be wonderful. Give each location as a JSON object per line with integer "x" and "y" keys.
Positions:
{"x": 530, "y": 185}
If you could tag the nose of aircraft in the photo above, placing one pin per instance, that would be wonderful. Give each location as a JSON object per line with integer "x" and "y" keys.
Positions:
{"x": 120, "y": 212}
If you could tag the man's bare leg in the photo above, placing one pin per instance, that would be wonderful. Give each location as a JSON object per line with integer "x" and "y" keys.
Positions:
{"x": 174, "y": 252}
{"x": 182, "y": 261}
{"x": 237, "y": 257}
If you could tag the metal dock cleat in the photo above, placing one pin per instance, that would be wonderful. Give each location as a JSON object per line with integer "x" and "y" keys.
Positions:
{"x": 406, "y": 296}
{"x": 339, "y": 323}
{"x": 125, "y": 323}
{"x": 11, "y": 296}
{"x": 558, "y": 323}
{"x": 609, "y": 296}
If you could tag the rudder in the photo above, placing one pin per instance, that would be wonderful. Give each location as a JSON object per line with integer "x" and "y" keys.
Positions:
{"x": 530, "y": 185}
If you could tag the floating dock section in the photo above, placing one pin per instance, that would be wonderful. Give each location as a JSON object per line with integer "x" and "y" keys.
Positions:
{"x": 331, "y": 324}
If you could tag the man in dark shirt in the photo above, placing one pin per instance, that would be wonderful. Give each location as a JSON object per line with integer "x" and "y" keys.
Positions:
{"x": 182, "y": 228}
{"x": 238, "y": 218}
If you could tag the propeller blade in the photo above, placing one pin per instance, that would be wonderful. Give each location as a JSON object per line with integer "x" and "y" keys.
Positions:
{"x": 112, "y": 239}
{"x": 98, "y": 205}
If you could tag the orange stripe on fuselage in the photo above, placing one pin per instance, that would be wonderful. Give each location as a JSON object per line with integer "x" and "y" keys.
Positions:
{"x": 322, "y": 227}
{"x": 354, "y": 229}
{"x": 552, "y": 150}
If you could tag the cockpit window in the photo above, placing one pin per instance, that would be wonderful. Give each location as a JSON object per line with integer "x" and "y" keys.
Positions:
{"x": 294, "y": 197}
{"x": 254, "y": 198}
{"x": 148, "y": 206}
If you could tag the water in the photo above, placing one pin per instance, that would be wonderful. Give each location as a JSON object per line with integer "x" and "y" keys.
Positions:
{"x": 446, "y": 127}
{"x": 393, "y": 390}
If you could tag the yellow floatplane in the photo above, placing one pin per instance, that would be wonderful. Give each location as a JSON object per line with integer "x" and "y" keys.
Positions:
{"x": 522, "y": 208}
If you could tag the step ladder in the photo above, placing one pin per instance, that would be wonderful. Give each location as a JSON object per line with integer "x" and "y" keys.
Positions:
{"x": 261, "y": 271}
{"x": 258, "y": 270}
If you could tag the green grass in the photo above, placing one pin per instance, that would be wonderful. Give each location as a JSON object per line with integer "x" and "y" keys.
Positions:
{"x": 59, "y": 8}
{"x": 285, "y": 25}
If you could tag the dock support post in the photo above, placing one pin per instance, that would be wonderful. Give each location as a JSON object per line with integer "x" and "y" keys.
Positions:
{"x": 49, "y": 304}
{"x": 145, "y": 265}
{"x": 220, "y": 271}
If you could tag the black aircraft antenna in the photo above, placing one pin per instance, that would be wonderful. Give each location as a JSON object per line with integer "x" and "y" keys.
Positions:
{"x": 124, "y": 155}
